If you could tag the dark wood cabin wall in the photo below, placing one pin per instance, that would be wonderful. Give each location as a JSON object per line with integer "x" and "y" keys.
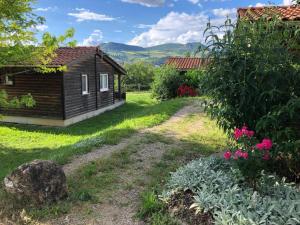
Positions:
{"x": 75, "y": 103}
{"x": 46, "y": 90}
{"x": 105, "y": 98}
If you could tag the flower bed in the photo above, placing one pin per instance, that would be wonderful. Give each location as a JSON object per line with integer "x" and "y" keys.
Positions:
{"x": 186, "y": 91}
{"x": 220, "y": 189}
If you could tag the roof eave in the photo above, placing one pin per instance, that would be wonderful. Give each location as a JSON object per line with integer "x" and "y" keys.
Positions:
{"x": 34, "y": 66}
{"x": 113, "y": 63}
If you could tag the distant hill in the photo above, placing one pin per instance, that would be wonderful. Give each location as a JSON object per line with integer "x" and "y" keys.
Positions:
{"x": 182, "y": 48}
{"x": 112, "y": 46}
{"x": 156, "y": 55}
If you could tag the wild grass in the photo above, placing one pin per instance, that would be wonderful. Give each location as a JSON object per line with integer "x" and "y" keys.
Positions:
{"x": 23, "y": 143}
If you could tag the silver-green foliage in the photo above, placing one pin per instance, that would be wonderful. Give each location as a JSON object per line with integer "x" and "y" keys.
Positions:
{"x": 220, "y": 189}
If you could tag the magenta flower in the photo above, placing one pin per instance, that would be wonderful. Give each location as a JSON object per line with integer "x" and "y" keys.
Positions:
{"x": 260, "y": 146}
{"x": 245, "y": 155}
{"x": 238, "y": 153}
{"x": 267, "y": 143}
{"x": 266, "y": 156}
{"x": 227, "y": 155}
{"x": 250, "y": 133}
{"x": 237, "y": 134}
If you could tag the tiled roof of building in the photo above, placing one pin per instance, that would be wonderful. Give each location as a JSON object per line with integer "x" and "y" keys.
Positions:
{"x": 66, "y": 55}
{"x": 186, "y": 63}
{"x": 286, "y": 13}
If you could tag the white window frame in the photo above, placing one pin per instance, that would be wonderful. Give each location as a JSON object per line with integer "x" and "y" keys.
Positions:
{"x": 7, "y": 81}
{"x": 103, "y": 87}
{"x": 86, "y": 91}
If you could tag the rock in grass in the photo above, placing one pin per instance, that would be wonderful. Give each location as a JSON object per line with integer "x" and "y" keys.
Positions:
{"x": 39, "y": 181}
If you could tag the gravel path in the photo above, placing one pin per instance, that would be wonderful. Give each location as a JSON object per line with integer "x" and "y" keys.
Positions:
{"x": 107, "y": 150}
{"x": 120, "y": 209}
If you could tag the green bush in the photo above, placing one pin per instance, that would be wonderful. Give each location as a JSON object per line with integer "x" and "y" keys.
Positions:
{"x": 166, "y": 83}
{"x": 139, "y": 76}
{"x": 254, "y": 79}
{"x": 193, "y": 78}
{"x": 221, "y": 190}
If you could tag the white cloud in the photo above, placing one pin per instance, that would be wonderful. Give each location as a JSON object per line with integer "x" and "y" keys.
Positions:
{"x": 41, "y": 27}
{"x": 45, "y": 9}
{"x": 224, "y": 12}
{"x": 144, "y": 26}
{"x": 176, "y": 28}
{"x": 194, "y": 1}
{"x": 260, "y": 4}
{"x": 94, "y": 39}
{"x": 287, "y": 2}
{"x": 148, "y": 3}
{"x": 85, "y": 14}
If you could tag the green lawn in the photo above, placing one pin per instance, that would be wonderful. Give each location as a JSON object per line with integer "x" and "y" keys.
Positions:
{"x": 23, "y": 143}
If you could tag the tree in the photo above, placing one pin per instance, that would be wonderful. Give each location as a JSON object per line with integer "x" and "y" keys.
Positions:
{"x": 187, "y": 54}
{"x": 139, "y": 75}
{"x": 19, "y": 45}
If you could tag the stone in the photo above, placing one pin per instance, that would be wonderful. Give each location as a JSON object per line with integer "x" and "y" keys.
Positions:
{"x": 40, "y": 181}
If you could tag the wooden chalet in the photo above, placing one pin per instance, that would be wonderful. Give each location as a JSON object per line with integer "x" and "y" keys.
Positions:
{"x": 90, "y": 85}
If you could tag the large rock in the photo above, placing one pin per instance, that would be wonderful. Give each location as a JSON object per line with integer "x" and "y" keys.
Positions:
{"x": 40, "y": 181}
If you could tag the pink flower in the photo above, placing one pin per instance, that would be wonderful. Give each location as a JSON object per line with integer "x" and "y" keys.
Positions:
{"x": 237, "y": 134}
{"x": 245, "y": 155}
{"x": 267, "y": 143}
{"x": 250, "y": 133}
{"x": 266, "y": 156}
{"x": 227, "y": 155}
{"x": 238, "y": 154}
{"x": 260, "y": 146}
{"x": 244, "y": 131}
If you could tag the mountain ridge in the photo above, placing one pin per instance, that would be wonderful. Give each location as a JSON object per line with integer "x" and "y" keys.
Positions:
{"x": 156, "y": 55}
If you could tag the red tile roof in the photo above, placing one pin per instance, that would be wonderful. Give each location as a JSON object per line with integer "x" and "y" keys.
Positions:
{"x": 288, "y": 13}
{"x": 186, "y": 63}
{"x": 66, "y": 55}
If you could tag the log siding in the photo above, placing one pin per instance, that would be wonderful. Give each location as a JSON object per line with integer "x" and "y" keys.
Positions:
{"x": 46, "y": 90}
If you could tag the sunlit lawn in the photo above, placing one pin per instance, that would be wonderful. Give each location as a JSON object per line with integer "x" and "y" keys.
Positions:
{"x": 23, "y": 143}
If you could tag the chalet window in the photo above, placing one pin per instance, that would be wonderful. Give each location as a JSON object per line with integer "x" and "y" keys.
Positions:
{"x": 103, "y": 82}
{"x": 8, "y": 80}
{"x": 84, "y": 84}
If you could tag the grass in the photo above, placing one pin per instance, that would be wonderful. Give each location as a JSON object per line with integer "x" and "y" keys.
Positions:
{"x": 99, "y": 180}
{"x": 206, "y": 140}
{"x": 23, "y": 143}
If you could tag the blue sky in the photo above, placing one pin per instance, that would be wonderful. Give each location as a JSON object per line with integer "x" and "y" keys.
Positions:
{"x": 138, "y": 22}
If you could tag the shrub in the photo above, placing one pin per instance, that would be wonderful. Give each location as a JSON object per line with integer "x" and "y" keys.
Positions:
{"x": 249, "y": 155}
{"x": 166, "y": 83}
{"x": 186, "y": 91}
{"x": 193, "y": 78}
{"x": 254, "y": 78}
{"x": 221, "y": 190}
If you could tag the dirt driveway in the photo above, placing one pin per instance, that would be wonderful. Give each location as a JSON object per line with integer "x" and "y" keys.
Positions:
{"x": 120, "y": 207}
